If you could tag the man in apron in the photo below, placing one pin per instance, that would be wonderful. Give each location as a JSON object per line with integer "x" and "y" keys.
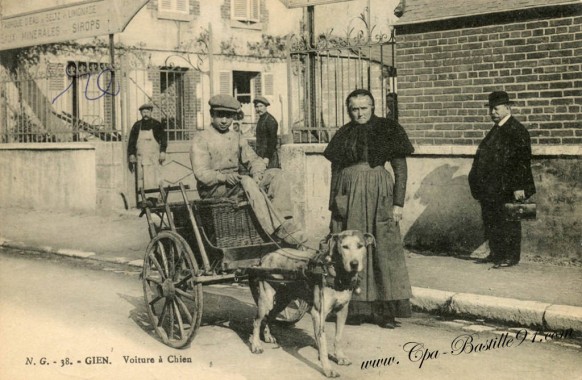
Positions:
{"x": 147, "y": 148}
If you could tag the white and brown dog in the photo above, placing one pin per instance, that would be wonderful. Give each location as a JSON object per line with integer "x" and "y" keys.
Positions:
{"x": 330, "y": 278}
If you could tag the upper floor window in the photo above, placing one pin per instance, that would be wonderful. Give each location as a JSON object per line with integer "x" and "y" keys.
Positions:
{"x": 174, "y": 9}
{"x": 246, "y": 11}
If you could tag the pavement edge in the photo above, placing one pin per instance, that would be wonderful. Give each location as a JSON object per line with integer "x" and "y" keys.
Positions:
{"x": 508, "y": 310}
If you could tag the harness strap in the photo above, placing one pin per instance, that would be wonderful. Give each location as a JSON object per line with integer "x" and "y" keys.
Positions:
{"x": 321, "y": 313}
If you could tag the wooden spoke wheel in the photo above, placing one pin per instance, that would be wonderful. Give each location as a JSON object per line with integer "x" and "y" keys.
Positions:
{"x": 173, "y": 299}
{"x": 292, "y": 313}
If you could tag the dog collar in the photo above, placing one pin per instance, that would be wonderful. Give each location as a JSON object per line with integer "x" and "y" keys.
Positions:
{"x": 323, "y": 265}
{"x": 341, "y": 283}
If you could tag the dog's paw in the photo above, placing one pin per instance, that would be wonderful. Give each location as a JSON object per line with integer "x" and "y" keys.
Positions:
{"x": 344, "y": 361}
{"x": 269, "y": 339}
{"x": 340, "y": 360}
{"x": 330, "y": 373}
{"x": 256, "y": 349}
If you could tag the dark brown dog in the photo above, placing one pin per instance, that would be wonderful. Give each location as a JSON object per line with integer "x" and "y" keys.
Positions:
{"x": 347, "y": 257}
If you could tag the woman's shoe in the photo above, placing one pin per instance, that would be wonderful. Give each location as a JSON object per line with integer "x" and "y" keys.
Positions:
{"x": 387, "y": 325}
{"x": 505, "y": 264}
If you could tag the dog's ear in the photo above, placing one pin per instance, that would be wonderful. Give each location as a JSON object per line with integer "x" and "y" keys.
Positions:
{"x": 369, "y": 239}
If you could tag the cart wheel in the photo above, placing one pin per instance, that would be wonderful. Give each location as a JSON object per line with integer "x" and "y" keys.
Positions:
{"x": 292, "y": 313}
{"x": 173, "y": 299}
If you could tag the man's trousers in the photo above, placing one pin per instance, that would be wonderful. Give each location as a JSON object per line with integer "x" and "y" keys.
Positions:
{"x": 504, "y": 236}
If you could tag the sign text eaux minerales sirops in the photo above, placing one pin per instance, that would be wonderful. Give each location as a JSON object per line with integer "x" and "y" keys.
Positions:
{"x": 71, "y": 22}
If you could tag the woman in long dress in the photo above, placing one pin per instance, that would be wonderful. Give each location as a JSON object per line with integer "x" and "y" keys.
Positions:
{"x": 364, "y": 196}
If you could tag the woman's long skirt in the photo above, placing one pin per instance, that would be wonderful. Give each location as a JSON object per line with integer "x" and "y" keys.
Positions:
{"x": 361, "y": 199}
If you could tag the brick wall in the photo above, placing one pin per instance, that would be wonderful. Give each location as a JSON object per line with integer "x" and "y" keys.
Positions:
{"x": 446, "y": 70}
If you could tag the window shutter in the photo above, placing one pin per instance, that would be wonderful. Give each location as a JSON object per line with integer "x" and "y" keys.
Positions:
{"x": 182, "y": 6}
{"x": 165, "y": 5}
{"x": 268, "y": 87}
{"x": 255, "y": 10}
{"x": 225, "y": 82}
{"x": 239, "y": 9}
{"x": 175, "y": 6}
{"x": 246, "y": 10}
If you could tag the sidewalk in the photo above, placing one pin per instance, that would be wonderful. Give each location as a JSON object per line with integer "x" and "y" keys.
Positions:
{"x": 529, "y": 294}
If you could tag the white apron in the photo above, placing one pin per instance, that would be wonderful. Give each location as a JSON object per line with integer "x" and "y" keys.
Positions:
{"x": 148, "y": 154}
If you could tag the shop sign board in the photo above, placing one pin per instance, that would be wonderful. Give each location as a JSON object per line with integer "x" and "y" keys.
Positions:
{"x": 60, "y": 23}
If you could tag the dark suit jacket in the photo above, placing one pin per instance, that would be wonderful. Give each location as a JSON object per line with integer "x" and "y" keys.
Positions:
{"x": 502, "y": 164}
{"x": 267, "y": 139}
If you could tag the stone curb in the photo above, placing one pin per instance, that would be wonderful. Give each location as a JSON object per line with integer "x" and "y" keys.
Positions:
{"x": 508, "y": 310}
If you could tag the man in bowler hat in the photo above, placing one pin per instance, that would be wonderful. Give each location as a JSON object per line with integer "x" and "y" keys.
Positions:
{"x": 266, "y": 133}
{"x": 501, "y": 173}
{"x": 146, "y": 148}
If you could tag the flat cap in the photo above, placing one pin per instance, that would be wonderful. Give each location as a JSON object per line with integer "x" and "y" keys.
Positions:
{"x": 261, "y": 99}
{"x": 224, "y": 103}
{"x": 147, "y": 106}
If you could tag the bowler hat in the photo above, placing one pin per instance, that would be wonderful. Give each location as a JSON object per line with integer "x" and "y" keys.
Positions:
{"x": 261, "y": 99}
{"x": 146, "y": 106}
{"x": 224, "y": 103}
{"x": 498, "y": 97}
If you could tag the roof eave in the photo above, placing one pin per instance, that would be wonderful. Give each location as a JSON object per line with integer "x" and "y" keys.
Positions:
{"x": 428, "y": 20}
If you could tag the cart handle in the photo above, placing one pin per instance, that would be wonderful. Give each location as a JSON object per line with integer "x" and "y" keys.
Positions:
{"x": 205, "y": 261}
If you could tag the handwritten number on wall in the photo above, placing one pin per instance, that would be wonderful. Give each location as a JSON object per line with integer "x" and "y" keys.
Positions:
{"x": 104, "y": 91}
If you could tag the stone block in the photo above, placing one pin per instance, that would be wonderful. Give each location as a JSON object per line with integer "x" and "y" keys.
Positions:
{"x": 75, "y": 253}
{"x": 525, "y": 313}
{"x": 478, "y": 328}
{"x": 563, "y": 317}
{"x": 430, "y": 299}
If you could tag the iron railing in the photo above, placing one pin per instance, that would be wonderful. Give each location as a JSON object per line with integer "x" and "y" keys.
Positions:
{"x": 91, "y": 101}
{"x": 323, "y": 71}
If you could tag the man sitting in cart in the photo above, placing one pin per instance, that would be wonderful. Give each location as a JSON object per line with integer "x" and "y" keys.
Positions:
{"x": 217, "y": 155}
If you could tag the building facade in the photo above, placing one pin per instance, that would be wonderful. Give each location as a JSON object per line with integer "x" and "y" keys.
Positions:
{"x": 174, "y": 54}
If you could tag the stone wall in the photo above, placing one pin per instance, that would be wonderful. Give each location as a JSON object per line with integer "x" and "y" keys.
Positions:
{"x": 112, "y": 176}
{"x": 440, "y": 216}
{"x": 48, "y": 176}
{"x": 72, "y": 176}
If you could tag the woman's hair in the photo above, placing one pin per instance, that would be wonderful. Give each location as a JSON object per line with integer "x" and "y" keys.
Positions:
{"x": 359, "y": 92}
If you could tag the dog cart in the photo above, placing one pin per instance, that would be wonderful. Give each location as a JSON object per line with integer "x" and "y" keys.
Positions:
{"x": 196, "y": 243}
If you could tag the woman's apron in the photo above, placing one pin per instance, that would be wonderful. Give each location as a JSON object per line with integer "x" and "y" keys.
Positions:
{"x": 148, "y": 154}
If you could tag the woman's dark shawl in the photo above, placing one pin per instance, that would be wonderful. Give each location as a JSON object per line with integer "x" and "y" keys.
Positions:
{"x": 378, "y": 141}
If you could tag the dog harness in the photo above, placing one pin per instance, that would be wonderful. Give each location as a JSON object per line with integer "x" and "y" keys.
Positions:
{"x": 324, "y": 264}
